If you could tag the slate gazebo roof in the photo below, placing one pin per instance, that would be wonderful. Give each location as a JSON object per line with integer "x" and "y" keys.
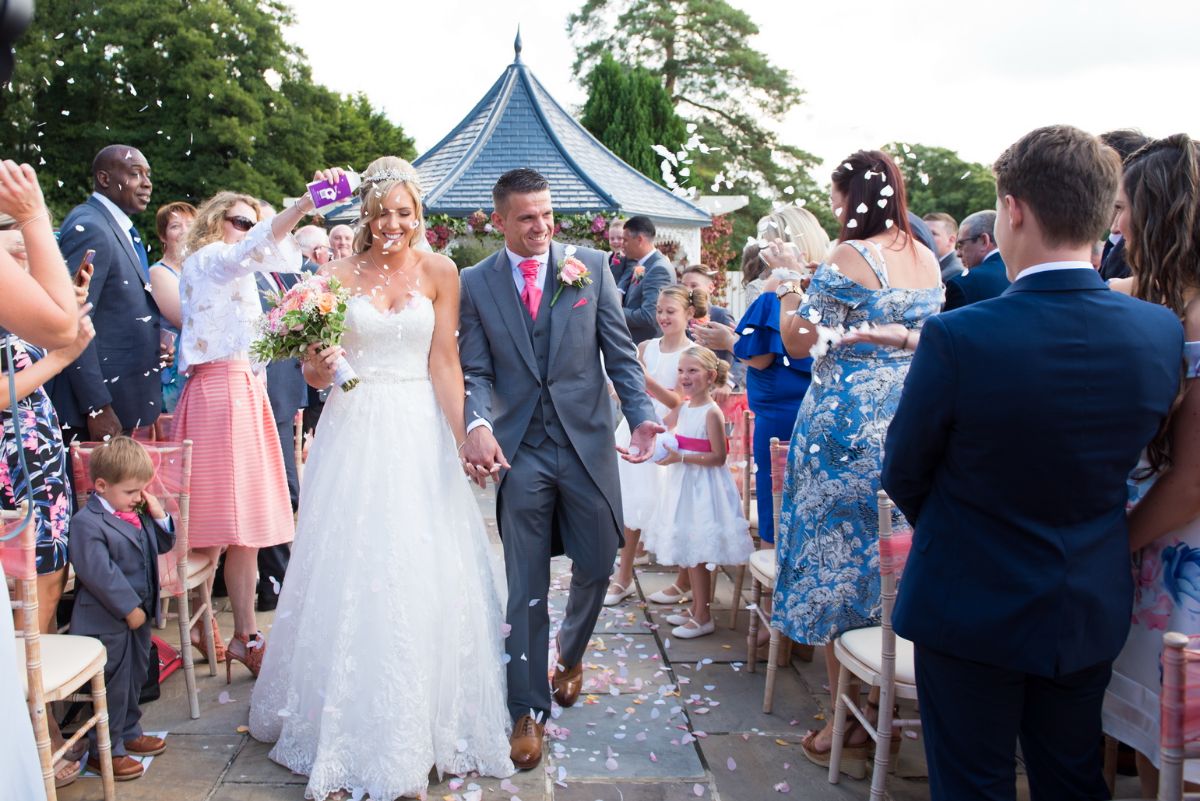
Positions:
{"x": 518, "y": 124}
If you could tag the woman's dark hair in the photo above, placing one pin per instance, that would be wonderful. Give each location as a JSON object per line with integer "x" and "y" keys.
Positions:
{"x": 753, "y": 265}
{"x": 1162, "y": 238}
{"x": 875, "y": 200}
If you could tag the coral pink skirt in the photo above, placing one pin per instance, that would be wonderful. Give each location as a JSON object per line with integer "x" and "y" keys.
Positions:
{"x": 239, "y": 488}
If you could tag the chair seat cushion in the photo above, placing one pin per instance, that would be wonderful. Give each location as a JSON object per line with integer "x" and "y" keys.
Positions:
{"x": 866, "y": 646}
{"x": 64, "y": 658}
{"x": 197, "y": 563}
{"x": 762, "y": 565}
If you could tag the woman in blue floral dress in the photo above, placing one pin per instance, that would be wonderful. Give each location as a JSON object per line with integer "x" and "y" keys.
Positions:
{"x": 827, "y": 545}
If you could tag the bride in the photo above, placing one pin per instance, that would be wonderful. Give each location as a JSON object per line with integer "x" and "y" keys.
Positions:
{"x": 385, "y": 657}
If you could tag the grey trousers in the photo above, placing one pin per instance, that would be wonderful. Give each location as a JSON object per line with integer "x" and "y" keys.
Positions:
{"x": 549, "y": 487}
{"x": 124, "y": 675}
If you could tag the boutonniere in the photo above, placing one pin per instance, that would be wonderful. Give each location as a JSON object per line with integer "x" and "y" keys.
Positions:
{"x": 638, "y": 272}
{"x": 572, "y": 272}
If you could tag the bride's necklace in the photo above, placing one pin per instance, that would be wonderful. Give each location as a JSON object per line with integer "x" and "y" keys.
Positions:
{"x": 386, "y": 271}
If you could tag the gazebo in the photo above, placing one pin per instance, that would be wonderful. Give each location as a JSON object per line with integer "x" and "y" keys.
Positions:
{"x": 518, "y": 124}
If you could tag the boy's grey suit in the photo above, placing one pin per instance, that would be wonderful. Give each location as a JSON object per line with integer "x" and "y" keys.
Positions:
{"x": 116, "y": 571}
{"x": 543, "y": 389}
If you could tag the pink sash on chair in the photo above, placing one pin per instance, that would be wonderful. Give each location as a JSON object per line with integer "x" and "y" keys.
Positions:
{"x": 893, "y": 551}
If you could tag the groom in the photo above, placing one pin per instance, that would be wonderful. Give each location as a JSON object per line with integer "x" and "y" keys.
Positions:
{"x": 538, "y": 413}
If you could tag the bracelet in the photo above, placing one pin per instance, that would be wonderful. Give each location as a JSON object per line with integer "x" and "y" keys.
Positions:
{"x": 461, "y": 445}
{"x": 34, "y": 218}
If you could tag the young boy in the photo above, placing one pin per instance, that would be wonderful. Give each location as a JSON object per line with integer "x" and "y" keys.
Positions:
{"x": 114, "y": 549}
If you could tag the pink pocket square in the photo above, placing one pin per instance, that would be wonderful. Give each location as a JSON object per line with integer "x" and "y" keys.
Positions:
{"x": 580, "y": 302}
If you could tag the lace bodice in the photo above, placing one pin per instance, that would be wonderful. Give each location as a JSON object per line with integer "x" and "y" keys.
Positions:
{"x": 392, "y": 346}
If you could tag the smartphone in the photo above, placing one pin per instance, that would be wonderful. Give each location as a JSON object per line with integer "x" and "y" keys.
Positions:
{"x": 85, "y": 268}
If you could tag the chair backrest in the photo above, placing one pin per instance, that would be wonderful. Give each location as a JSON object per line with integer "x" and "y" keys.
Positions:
{"x": 171, "y": 485}
{"x": 894, "y": 546}
{"x": 1179, "y": 711}
{"x": 779, "y": 456}
{"x": 741, "y": 457}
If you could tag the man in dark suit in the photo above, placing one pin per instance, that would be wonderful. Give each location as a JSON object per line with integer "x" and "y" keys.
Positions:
{"x": 646, "y": 272}
{"x": 1019, "y": 423}
{"x": 944, "y": 230}
{"x": 288, "y": 394}
{"x": 985, "y": 277}
{"x": 114, "y": 385}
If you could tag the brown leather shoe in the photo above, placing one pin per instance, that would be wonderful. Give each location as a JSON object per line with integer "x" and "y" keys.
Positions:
{"x": 145, "y": 745}
{"x": 526, "y": 742}
{"x": 567, "y": 684}
{"x": 124, "y": 767}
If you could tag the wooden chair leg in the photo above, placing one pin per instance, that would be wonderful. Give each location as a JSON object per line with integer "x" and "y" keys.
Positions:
{"x": 41, "y": 736}
{"x": 752, "y": 636}
{"x": 883, "y": 744}
{"x": 739, "y": 584}
{"x": 207, "y": 624}
{"x": 186, "y": 650}
{"x": 772, "y": 667}
{"x": 103, "y": 736}
{"x": 839, "y": 723}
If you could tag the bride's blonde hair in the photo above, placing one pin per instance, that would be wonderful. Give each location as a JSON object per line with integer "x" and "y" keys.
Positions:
{"x": 378, "y": 180}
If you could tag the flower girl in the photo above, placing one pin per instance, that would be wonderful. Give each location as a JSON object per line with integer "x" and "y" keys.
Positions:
{"x": 699, "y": 521}
{"x": 641, "y": 484}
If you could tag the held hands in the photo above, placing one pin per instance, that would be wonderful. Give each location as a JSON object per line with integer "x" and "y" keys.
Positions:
{"x": 319, "y": 364}
{"x": 641, "y": 442}
{"x": 778, "y": 254}
{"x": 136, "y": 619}
{"x": 482, "y": 456}
{"x": 672, "y": 457}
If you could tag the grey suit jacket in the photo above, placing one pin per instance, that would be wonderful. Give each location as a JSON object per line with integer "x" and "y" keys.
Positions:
{"x": 640, "y": 297}
{"x": 951, "y": 266}
{"x": 120, "y": 366}
{"x": 501, "y": 371}
{"x": 110, "y": 568}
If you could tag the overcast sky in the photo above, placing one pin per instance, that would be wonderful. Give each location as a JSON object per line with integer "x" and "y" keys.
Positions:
{"x": 965, "y": 75}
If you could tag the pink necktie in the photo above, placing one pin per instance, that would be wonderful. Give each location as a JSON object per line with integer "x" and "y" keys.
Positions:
{"x": 129, "y": 517}
{"x": 531, "y": 295}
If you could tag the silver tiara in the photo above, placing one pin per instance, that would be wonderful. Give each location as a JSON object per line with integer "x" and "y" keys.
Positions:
{"x": 392, "y": 175}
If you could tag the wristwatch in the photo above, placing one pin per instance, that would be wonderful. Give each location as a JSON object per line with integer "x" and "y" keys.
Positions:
{"x": 783, "y": 290}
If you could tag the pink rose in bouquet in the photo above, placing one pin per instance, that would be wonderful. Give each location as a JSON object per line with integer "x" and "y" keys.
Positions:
{"x": 311, "y": 312}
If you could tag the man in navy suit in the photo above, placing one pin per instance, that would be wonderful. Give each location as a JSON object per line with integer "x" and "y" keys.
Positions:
{"x": 646, "y": 272}
{"x": 114, "y": 385}
{"x": 1020, "y": 421}
{"x": 986, "y": 276}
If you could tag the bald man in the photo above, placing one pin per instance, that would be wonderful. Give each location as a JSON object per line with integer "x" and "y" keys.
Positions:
{"x": 114, "y": 385}
{"x": 341, "y": 241}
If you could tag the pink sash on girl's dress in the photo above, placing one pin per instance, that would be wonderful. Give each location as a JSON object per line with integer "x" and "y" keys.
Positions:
{"x": 694, "y": 444}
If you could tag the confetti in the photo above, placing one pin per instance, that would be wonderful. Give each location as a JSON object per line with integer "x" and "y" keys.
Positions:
{"x": 730, "y": 764}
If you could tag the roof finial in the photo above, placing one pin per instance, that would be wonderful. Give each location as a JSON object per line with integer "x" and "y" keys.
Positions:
{"x": 517, "y": 46}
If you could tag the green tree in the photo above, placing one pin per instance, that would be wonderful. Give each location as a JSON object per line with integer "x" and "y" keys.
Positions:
{"x": 629, "y": 111}
{"x": 938, "y": 179}
{"x": 702, "y": 53}
{"x": 209, "y": 90}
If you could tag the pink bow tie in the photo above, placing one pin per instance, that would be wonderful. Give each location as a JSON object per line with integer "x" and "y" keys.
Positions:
{"x": 129, "y": 517}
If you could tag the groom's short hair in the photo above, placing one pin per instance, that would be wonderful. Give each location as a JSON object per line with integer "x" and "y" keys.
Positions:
{"x": 1067, "y": 177}
{"x": 640, "y": 226}
{"x": 521, "y": 181}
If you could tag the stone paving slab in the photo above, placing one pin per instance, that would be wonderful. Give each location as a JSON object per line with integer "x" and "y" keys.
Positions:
{"x": 188, "y": 769}
{"x": 631, "y": 791}
{"x": 738, "y": 698}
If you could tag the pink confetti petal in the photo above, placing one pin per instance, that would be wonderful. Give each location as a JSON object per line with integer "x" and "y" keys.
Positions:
{"x": 698, "y": 790}
{"x": 729, "y": 763}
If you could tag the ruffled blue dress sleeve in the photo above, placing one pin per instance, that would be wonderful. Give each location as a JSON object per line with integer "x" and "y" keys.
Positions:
{"x": 758, "y": 333}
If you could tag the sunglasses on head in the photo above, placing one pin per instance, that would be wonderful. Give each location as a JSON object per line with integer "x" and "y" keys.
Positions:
{"x": 240, "y": 223}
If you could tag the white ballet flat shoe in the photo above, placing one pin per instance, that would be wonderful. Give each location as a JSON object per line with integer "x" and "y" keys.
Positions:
{"x": 678, "y": 620}
{"x": 613, "y": 598}
{"x": 688, "y": 632}
{"x": 667, "y": 597}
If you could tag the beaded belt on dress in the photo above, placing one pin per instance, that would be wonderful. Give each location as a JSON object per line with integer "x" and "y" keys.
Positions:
{"x": 391, "y": 379}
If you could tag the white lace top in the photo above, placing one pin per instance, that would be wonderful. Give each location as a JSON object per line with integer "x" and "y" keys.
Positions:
{"x": 219, "y": 296}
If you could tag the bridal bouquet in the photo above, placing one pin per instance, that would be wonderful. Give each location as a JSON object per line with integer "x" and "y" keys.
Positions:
{"x": 312, "y": 311}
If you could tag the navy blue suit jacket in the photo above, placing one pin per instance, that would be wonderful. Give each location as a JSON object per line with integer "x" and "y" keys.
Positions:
{"x": 985, "y": 280}
{"x": 286, "y": 388}
{"x": 1020, "y": 420}
{"x": 640, "y": 297}
{"x": 120, "y": 366}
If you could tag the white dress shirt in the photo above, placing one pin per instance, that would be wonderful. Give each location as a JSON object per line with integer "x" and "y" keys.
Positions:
{"x": 122, "y": 219}
{"x": 164, "y": 521}
{"x": 219, "y": 296}
{"x": 1054, "y": 265}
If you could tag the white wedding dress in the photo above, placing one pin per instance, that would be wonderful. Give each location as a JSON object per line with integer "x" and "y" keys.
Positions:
{"x": 385, "y": 657}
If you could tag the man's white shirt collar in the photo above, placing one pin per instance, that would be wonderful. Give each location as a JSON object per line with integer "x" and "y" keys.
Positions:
{"x": 1054, "y": 265}
{"x": 122, "y": 219}
{"x": 988, "y": 255}
{"x": 642, "y": 260}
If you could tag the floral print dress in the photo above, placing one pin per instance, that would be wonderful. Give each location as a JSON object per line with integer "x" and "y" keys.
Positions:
{"x": 45, "y": 459}
{"x": 827, "y": 548}
{"x": 1166, "y": 597}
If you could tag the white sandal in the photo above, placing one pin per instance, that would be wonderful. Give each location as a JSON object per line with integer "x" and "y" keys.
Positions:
{"x": 613, "y": 598}
{"x": 666, "y": 596}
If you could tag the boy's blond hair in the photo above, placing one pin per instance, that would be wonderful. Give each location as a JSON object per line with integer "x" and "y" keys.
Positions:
{"x": 122, "y": 459}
